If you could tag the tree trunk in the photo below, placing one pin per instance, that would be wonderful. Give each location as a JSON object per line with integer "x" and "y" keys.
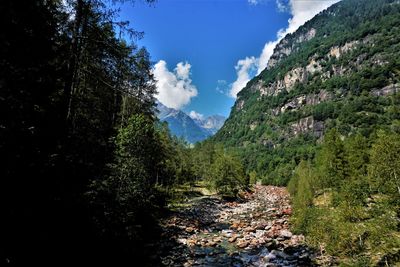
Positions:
{"x": 71, "y": 68}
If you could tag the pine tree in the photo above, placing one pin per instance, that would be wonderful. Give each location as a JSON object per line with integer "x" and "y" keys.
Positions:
{"x": 331, "y": 161}
{"x": 384, "y": 169}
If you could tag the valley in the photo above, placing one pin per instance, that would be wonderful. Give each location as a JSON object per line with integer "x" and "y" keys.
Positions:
{"x": 107, "y": 158}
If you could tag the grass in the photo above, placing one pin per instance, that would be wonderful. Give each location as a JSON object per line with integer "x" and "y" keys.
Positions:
{"x": 185, "y": 195}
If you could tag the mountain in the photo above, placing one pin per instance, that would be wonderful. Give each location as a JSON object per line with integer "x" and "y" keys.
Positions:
{"x": 341, "y": 69}
{"x": 191, "y": 129}
{"x": 213, "y": 123}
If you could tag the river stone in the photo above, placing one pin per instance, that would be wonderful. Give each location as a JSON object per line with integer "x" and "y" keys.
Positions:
{"x": 242, "y": 243}
{"x": 232, "y": 239}
{"x": 286, "y": 234}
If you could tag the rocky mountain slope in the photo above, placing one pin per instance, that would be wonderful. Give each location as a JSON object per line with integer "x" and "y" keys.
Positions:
{"x": 212, "y": 124}
{"x": 192, "y": 130}
{"x": 341, "y": 69}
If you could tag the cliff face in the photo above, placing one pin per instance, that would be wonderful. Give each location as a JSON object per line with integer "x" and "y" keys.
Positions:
{"x": 341, "y": 69}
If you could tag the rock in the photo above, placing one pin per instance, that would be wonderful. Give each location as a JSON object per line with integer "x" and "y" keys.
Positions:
{"x": 189, "y": 229}
{"x": 286, "y": 234}
{"x": 232, "y": 239}
{"x": 269, "y": 257}
{"x": 254, "y": 243}
{"x": 287, "y": 211}
{"x": 267, "y": 227}
{"x": 258, "y": 224}
{"x": 249, "y": 229}
{"x": 242, "y": 243}
{"x": 227, "y": 233}
{"x": 191, "y": 242}
{"x": 217, "y": 239}
{"x": 259, "y": 233}
{"x": 211, "y": 243}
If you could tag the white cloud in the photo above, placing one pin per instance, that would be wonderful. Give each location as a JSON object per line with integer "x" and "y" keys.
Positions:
{"x": 222, "y": 87}
{"x": 301, "y": 11}
{"x": 304, "y": 10}
{"x": 244, "y": 68}
{"x": 196, "y": 116}
{"x": 253, "y": 2}
{"x": 183, "y": 70}
{"x": 266, "y": 53}
{"x": 175, "y": 89}
{"x": 282, "y": 5}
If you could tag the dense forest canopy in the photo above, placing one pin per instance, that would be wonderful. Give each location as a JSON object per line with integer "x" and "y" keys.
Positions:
{"x": 87, "y": 166}
{"x": 76, "y": 97}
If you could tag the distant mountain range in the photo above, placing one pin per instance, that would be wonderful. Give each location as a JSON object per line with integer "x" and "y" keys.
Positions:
{"x": 194, "y": 129}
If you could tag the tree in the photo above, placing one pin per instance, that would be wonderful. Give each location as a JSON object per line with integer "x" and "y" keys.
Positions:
{"x": 62, "y": 84}
{"x": 228, "y": 176}
{"x": 384, "y": 169}
{"x": 125, "y": 196}
{"x": 331, "y": 161}
{"x": 302, "y": 192}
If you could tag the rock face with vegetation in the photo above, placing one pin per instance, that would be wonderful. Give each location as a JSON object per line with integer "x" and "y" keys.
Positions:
{"x": 324, "y": 118}
{"x": 341, "y": 69}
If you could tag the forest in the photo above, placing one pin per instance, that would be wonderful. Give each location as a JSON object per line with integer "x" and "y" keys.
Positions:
{"x": 87, "y": 167}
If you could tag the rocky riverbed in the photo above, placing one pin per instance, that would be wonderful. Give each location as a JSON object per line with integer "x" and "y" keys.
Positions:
{"x": 251, "y": 232}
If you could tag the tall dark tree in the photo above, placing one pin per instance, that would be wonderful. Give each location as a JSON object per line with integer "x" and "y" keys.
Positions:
{"x": 68, "y": 82}
{"x": 30, "y": 116}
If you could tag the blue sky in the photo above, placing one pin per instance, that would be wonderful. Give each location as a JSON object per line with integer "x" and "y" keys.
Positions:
{"x": 196, "y": 45}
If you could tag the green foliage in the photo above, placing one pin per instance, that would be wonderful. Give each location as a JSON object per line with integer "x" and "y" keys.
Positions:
{"x": 127, "y": 194}
{"x": 332, "y": 162}
{"x": 228, "y": 176}
{"x": 353, "y": 216}
{"x": 300, "y": 187}
{"x": 385, "y": 164}
{"x": 350, "y": 83}
{"x": 252, "y": 177}
{"x": 83, "y": 151}
{"x": 220, "y": 168}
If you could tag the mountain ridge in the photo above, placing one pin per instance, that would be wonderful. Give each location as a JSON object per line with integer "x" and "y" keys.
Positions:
{"x": 191, "y": 129}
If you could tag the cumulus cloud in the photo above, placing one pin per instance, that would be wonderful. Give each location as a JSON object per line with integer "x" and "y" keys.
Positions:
{"x": 301, "y": 11}
{"x": 244, "y": 69}
{"x": 183, "y": 70}
{"x": 175, "y": 88}
{"x": 196, "y": 116}
{"x": 266, "y": 53}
